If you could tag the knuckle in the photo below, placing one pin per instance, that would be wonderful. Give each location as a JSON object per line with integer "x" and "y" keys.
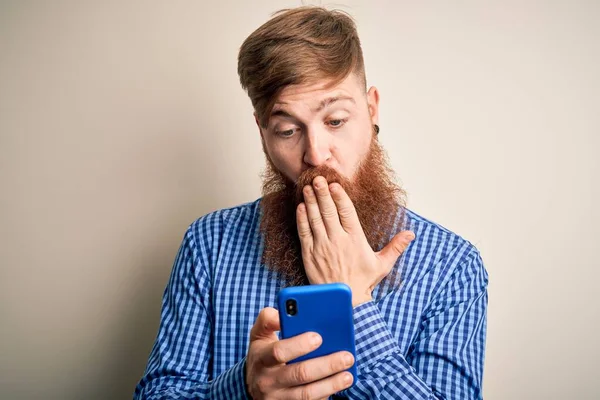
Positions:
{"x": 304, "y": 233}
{"x": 262, "y": 385}
{"x": 327, "y": 247}
{"x": 278, "y": 353}
{"x": 301, "y": 374}
{"x": 306, "y": 394}
{"x": 329, "y": 212}
{"x": 335, "y": 241}
{"x": 320, "y": 251}
{"x": 346, "y": 211}
{"x": 316, "y": 221}
{"x": 307, "y": 251}
{"x": 398, "y": 248}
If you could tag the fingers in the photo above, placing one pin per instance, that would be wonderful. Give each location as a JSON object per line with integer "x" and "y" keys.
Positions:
{"x": 323, "y": 388}
{"x": 303, "y": 226}
{"x": 286, "y": 350}
{"x": 345, "y": 209}
{"x": 315, "y": 369}
{"x": 266, "y": 324}
{"x": 327, "y": 206}
{"x": 396, "y": 247}
{"x": 321, "y": 211}
{"x": 315, "y": 219}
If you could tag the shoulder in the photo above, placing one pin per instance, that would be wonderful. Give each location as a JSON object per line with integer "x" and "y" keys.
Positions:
{"x": 440, "y": 252}
{"x": 431, "y": 235}
{"x": 215, "y": 221}
{"x": 206, "y": 233}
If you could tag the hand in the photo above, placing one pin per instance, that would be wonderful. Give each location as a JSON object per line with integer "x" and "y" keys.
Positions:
{"x": 269, "y": 377}
{"x": 334, "y": 246}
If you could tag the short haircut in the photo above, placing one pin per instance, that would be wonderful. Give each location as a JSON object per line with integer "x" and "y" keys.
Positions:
{"x": 298, "y": 46}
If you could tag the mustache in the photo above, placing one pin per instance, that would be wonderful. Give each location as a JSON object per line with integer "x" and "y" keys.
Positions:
{"x": 331, "y": 176}
{"x": 371, "y": 189}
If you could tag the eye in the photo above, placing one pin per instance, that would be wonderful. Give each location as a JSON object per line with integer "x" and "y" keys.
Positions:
{"x": 287, "y": 133}
{"x": 336, "y": 123}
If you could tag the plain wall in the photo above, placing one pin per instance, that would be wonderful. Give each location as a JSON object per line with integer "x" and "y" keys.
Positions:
{"x": 122, "y": 122}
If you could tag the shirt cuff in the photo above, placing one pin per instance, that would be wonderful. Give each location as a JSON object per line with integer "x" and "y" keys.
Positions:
{"x": 231, "y": 384}
{"x": 372, "y": 338}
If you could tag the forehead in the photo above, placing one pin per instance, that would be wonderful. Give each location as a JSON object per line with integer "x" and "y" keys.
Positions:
{"x": 313, "y": 94}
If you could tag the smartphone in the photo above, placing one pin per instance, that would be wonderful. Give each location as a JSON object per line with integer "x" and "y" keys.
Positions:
{"x": 325, "y": 309}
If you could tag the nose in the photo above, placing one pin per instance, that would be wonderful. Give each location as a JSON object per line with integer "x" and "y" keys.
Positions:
{"x": 317, "y": 151}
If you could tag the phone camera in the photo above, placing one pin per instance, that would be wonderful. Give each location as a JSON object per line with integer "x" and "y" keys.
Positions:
{"x": 291, "y": 307}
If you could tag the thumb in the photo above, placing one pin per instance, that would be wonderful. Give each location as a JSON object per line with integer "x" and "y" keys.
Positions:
{"x": 267, "y": 323}
{"x": 390, "y": 253}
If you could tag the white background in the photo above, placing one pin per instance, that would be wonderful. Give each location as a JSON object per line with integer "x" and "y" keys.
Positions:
{"x": 122, "y": 122}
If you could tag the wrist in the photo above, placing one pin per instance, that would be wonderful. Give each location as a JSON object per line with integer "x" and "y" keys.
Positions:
{"x": 358, "y": 300}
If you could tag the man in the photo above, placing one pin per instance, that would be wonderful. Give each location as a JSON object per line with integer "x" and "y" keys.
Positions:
{"x": 330, "y": 212}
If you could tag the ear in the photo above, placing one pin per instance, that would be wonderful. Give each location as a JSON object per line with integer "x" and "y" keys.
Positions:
{"x": 373, "y": 102}
{"x": 262, "y": 135}
{"x": 259, "y": 127}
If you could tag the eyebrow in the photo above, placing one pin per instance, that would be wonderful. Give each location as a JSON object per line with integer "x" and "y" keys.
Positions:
{"x": 323, "y": 104}
{"x": 330, "y": 100}
{"x": 281, "y": 113}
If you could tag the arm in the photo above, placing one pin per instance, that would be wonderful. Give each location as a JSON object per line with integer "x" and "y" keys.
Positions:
{"x": 446, "y": 359}
{"x": 180, "y": 362}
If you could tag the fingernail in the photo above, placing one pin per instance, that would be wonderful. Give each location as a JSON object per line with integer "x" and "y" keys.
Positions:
{"x": 347, "y": 377}
{"x": 315, "y": 339}
{"x": 410, "y": 236}
{"x": 348, "y": 359}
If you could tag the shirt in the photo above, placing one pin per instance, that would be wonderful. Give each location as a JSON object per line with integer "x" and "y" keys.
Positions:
{"x": 425, "y": 339}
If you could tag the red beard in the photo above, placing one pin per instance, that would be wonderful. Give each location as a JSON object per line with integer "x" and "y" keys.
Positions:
{"x": 375, "y": 195}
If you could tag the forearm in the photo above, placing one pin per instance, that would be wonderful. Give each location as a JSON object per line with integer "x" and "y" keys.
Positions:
{"x": 180, "y": 364}
{"x": 167, "y": 385}
{"x": 383, "y": 372}
{"x": 391, "y": 377}
{"x": 444, "y": 362}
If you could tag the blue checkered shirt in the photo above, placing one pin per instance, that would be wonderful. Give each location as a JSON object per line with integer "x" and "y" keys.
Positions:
{"x": 423, "y": 339}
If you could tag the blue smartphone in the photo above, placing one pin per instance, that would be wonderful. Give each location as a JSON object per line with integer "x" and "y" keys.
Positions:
{"x": 325, "y": 309}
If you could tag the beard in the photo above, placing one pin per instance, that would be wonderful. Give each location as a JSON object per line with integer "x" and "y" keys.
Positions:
{"x": 378, "y": 200}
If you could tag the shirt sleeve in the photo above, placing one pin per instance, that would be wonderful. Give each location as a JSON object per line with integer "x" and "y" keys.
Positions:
{"x": 179, "y": 366}
{"x": 446, "y": 359}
